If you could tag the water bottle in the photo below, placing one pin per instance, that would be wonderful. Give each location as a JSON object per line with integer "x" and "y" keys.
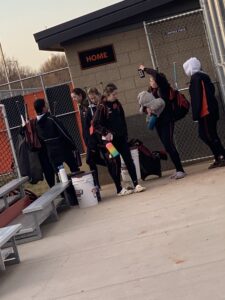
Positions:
{"x": 112, "y": 150}
{"x": 151, "y": 121}
{"x": 62, "y": 174}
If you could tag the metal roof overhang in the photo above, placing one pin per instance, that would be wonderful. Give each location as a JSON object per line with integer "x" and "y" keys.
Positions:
{"x": 53, "y": 38}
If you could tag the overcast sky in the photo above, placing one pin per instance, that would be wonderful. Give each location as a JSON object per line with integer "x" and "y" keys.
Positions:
{"x": 20, "y": 19}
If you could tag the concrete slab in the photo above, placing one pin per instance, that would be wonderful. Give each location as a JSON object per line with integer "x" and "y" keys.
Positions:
{"x": 165, "y": 243}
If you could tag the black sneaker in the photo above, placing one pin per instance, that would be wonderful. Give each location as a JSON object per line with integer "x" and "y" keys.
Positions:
{"x": 214, "y": 165}
{"x": 221, "y": 162}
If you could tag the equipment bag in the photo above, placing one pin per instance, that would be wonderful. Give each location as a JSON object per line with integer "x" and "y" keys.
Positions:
{"x": 180, "y": 104}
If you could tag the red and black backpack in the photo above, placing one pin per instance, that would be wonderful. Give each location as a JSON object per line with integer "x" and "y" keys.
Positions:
{"x": 180, "y": 104}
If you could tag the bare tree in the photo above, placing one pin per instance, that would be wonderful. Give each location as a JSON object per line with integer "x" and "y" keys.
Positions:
{"x": 15, "y": 72}
{"x": 54, "y": 63}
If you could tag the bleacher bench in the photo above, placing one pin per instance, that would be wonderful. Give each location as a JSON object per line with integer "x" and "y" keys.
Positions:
{"x": 14, "y": 184}
{"x": 9, "y": 200}
{"x": 38, "y": 211}
{"x": 8, "y": 249}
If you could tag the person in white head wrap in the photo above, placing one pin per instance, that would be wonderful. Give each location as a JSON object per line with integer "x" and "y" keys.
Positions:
{"x": 205, "y": 109}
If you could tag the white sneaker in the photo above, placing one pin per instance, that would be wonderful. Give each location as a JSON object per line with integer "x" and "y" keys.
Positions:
{"x": 124, "y": 192}
{"x": 138, "y": 188}
{"x": 178, "y": 175}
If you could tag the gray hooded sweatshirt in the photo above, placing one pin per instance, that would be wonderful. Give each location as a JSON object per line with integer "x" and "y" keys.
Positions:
{"x": 146, "y": 99}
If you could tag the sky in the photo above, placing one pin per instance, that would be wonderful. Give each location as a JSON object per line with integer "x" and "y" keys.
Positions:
{"x": 20, "y": 19}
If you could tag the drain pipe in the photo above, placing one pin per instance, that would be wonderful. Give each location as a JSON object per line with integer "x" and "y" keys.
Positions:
{"x": 214, "y": 15}
{"x": 220, "y": 19}
{"x": 214, "y": 37}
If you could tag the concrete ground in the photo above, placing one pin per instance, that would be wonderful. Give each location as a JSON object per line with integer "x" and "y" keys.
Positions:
{"x": 167, "y": 243}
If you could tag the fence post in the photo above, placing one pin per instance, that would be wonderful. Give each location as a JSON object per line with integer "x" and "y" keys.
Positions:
{"x": 43, "y": 87}
{"x": 151, "y": 50}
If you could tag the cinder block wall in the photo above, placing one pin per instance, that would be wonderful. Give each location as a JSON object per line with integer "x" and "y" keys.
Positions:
{"x": 130, "y": 48}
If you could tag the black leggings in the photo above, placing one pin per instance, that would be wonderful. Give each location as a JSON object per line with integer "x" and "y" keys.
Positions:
{"x": 47, "y": 167}
{"x": 165, "y": 132}
{"x": 207, "y": 129}
{"x": 93, "y": 159}
{"x": 114, "y": 164}
{"x": 69, "y": 159}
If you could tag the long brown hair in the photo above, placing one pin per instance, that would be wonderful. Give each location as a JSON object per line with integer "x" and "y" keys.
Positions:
{"x": 109, "y": 89}
{"x": 93, "y": 90}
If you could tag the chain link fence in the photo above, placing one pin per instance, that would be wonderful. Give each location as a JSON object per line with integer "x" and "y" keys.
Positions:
{"x": 8, "y": 165}
{"x": 18, "y": 97}
{"x": 171, "y": 42}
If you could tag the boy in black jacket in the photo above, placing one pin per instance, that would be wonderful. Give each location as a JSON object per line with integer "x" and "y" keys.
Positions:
{"x": 205, "y": 109}
{"x": 55, "y": 137}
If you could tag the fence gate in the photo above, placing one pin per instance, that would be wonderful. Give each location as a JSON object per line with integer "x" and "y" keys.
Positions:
{"x": 171, "y": 42}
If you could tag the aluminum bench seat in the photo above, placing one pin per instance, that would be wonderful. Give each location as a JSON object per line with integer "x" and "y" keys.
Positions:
{"x": 8, "y": 249}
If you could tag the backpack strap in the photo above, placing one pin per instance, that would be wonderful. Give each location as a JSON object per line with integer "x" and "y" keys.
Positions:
{"x": 172, "y": 94}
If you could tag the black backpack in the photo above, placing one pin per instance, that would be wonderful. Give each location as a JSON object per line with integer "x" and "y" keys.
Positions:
{"x": 150, "y": 162}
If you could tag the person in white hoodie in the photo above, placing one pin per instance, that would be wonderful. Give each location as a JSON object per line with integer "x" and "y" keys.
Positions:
{"x": 205, "y": 109}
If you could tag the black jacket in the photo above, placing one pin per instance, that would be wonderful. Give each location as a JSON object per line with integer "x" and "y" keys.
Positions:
{"x": 91, "y": 139}
{"x": 163, "y": 91}
{"x": 110, "y": 117}
{"x": 196, "y": 94}
{"x": 56, "y": 138}
{"x": 83, "y": 108}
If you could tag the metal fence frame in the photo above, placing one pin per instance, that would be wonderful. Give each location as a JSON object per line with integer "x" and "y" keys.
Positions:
{"x": 153, "y": 57}
{"x": 7, "y": 90}
{"x": 147, "y": 34}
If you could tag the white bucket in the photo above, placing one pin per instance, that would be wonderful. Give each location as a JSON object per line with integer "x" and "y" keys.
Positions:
{"x": 86, "y": 191}
{"x": 124, "y": 171}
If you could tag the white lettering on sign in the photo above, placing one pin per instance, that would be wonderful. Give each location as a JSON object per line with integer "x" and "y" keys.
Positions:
{"x": 95, "y": 57}
{"x": 175, "y": 31}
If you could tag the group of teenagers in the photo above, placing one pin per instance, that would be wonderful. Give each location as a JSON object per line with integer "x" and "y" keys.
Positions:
{"x": 103, "y": 120}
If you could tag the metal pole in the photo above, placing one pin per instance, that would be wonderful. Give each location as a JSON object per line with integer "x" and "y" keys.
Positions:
{"x": 217, "y": 33}
{"x": 213, "y": 45}
{"x": 10, "y": 140}
{"x": 45, "y": 94}
{"x": 150, "y": 48}
{"x": 175, "y": 75}
{"x": 71, "y": 78}
{"x": 220, "y": 14}
{"x": 5, "y": 69}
